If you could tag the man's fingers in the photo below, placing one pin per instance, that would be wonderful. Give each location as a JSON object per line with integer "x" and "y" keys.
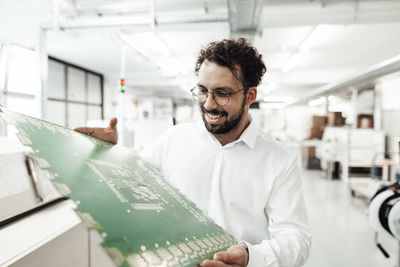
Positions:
{"x": 227, "y": 257}
{"x": 234, "y": 255}
{"x": 86, "y": 130}
{"x": 113, "y": 122}
{"x": 213, "y": 263}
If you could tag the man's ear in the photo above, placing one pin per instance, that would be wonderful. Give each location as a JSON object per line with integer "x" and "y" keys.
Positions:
{"x": 251, "y": 95}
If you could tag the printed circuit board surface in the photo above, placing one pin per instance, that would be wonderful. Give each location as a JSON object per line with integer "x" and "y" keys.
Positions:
{"x": 142, "y": 218}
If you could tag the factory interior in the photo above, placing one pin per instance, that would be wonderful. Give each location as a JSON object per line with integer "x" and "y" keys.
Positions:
{"x": 330, "y": 96}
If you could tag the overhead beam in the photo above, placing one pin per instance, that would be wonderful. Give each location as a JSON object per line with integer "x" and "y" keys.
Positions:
{"x": 371, "y": 73}
{"x": 305, "y": 12}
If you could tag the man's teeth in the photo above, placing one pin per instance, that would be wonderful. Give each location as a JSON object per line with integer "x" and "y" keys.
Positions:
{"x": 213, "y": 116}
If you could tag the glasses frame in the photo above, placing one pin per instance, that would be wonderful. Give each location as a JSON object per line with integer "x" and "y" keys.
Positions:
{"x": 229, "y": 95}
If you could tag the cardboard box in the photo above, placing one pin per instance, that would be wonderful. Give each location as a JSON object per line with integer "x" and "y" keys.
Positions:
{"x": 317, "y": 127}
{"x": 335, "y": 119}
{"x": 365, "y": 121}
{"x": 311, "y": 151}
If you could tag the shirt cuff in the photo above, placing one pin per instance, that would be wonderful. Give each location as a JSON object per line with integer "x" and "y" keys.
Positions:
{"x": 260, "y": 257}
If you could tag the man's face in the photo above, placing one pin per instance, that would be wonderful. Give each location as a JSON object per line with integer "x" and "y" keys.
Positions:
{"x": 220, "y": 119}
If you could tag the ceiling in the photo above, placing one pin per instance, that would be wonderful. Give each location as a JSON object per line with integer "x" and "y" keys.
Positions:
{"x": 92, "y": 34}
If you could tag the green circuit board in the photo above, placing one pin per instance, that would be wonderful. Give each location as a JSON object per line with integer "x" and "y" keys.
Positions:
{"x": 142, "y": 218}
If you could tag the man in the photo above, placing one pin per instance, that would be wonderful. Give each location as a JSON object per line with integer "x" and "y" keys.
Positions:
{"x": 242, "y": 178}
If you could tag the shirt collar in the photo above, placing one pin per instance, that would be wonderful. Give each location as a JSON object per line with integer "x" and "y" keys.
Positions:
{"x": 249, "y": 135}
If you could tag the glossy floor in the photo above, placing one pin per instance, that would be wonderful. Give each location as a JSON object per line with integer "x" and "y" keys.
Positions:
{"x": 342, "y": 236}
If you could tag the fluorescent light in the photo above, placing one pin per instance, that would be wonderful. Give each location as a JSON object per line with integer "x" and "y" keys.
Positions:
{"x": 170, "y": 66}
{"x": 290, "y": 62}
{"x": 272, "y": 105}
{"x": 147, "y": 44}
{"x": 168, "y": 70}
{"x": 318, "y": 34}
{"x": 317, "y": 102}
{"x": 269, "y": 88}
{"x": 284, "y": 47}
{"x": 127, "y": 40}
{"x": 153, "y": 42}
{"x": 175, "y": 61}
{"x": 186, "y": 84}
{"x": 278, "y": 99}
{"x": 150, "y": 46}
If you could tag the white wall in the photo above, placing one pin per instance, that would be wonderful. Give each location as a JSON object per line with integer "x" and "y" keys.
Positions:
{"x": 390, "y": 101}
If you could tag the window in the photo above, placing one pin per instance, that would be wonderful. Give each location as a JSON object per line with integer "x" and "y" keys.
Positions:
{"x": 19, "y": 79}
{"x": 75, "y": 94}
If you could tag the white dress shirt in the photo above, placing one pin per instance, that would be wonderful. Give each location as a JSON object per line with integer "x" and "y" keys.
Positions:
{"x": 251, "y": 187}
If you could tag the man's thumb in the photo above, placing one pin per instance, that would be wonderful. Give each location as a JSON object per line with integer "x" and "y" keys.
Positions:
{"x": 113, "y": 122}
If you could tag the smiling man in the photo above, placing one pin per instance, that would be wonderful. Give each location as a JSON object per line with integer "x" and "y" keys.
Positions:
{"x": 222, "y": 108}
{"x": 241, "y": 177}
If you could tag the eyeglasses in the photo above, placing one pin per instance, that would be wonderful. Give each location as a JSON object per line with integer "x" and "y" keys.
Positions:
{"x": 219, "y": 95}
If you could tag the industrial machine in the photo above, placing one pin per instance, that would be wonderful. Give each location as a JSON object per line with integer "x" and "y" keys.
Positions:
{"x": 384, "y": 213}
{"x": 38, "y": 226}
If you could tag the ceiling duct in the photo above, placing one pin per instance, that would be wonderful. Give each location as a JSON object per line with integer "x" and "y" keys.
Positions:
{"x": 245, "y": 18}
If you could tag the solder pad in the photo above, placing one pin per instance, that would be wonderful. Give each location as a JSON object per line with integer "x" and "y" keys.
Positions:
{"x": 142, "y": 218}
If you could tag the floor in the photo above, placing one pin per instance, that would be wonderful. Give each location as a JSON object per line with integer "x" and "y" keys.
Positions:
{"x": 339, "y": 224}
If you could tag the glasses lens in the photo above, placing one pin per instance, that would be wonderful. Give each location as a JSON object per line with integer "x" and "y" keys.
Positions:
{"x": 221, "y": 100}
{"x": 195, "y": 93}
{"x": 201, "y": 95}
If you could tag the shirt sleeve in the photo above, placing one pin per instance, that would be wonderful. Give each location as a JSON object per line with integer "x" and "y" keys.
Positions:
{"x": 155, "y": 153}
{"x": 290, "y": 240}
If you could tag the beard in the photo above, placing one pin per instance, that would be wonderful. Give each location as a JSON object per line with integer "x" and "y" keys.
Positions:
{"x": 228, "y": 125}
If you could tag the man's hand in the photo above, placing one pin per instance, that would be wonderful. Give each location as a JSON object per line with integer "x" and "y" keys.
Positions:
{"x": 109, "y": 134}
{"x": 236, "y": 256}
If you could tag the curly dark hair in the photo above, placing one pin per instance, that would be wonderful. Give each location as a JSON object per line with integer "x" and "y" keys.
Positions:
{"x": 232, "y": 53}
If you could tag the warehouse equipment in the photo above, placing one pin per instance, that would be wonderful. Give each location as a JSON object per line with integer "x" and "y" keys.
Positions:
{"x": 22, "y": 184}
{"x": 384, "y": 213}
{"x": 351, "y": 148}
{"x": 142, "y": 219}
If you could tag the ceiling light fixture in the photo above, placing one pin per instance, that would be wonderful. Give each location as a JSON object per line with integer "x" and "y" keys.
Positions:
{"x": 147, "y": 43}
{"x": 152, "y": 41}
{"x": 150, "y": 46}
{"x": 126, "y": 39}
{"x": 179, "y": 65}
{"x": 290, "y": 62}
{"x": 316, "y": 35}
{"x": 272, "y": 105}
{"x": 269, "y": 88}
{"x": 317, "y": 102}
{"x": 278, "y": 99}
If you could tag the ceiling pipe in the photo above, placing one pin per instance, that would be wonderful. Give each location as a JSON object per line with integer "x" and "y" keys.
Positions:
{"x": 373, "y": 72}
{"x": 153, "y": 14}
{"x": 101, "y": 23}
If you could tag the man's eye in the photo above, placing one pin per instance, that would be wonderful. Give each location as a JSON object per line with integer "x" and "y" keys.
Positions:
{"x": 221, "y": 94}
{"x": 203, "y": 91}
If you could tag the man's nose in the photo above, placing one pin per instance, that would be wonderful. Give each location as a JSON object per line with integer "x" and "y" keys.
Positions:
{"x": 210, "y": 102}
